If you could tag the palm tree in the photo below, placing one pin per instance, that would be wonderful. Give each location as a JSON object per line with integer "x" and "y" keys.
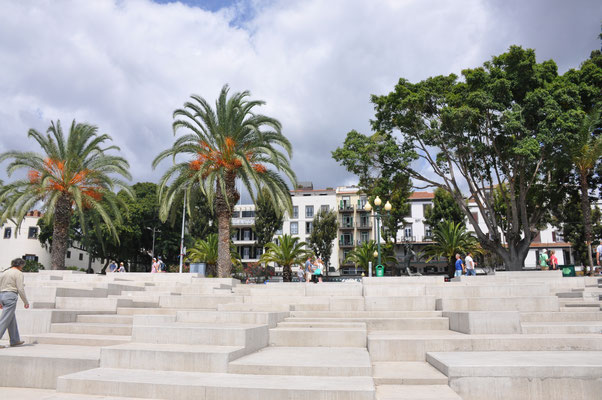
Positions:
{"x": 223, "y": 145}
{"x": 586, "y": 152}
{"x": 363, "y": 255}
{"x": 450, "y": 238}
{"x": 206, "y": 251}
{"x": 74, "y": 174}
{"x": 288, "y": 252}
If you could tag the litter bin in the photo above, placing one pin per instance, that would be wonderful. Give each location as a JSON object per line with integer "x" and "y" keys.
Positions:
{"x": 567, "y": 270}
{"x": 380, "y": 270}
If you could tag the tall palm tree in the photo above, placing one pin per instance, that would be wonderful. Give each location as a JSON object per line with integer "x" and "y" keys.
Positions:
{"x": 450, "y": 238}
{"x": 586, "y": 152}
{"x": 288, "y": 252}
{"x": 206, "y": 251}
{"x": 73, "y": 174}
{"x": 223, "y": 145}
{"x": 363, "y": 255}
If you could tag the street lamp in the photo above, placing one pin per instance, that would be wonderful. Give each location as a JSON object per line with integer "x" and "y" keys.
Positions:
{"x": 377, "y": 215}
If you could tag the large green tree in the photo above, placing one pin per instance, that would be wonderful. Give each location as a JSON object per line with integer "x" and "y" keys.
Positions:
{"x": 506, "y": 124}
{"x": 73, "y": 174}
{"x": 380, "y": 167}
{"x": 287, "y": 252}
{"x": 267, "y": 218}
{"x": 222, "y": 145}
{"x": 444, "y": 208}
{"x": 323, "y": 235}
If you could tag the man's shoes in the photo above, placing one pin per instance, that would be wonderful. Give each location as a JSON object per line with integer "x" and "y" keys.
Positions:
{"x": 21, "y": 343}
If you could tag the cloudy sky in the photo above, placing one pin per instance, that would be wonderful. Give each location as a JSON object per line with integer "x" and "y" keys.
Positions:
{"x": 125, "y": 65}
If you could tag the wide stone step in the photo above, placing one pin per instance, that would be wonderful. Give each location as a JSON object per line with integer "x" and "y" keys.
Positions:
{"x": 146, "y": 311}
{"x": 522, "y": 375}
{"x": 253, "y": 307}
{"x": 293, "y": 323}
{"x": 170, "y": 357}
{"x": 197, "y": 301}
{"x": 318, "y": 337}
{"x": 245, "y": 335}
{"x": 413, "y": 345}
{"x": 407, "y": 373}
{"x": 92, "y": 328}
{"x": 38, "y": 366}
{"x": 383, "y": 324}
{"x": 12, "y": 393}
{"x": 77, "y": 339}
{"x": 91, "y": 303}
{"x": 105, "y": 319}
{"x": 306, "y": 361}
{"x": 562, "y": 327}
{"x": 402, "y": 303}
{"x": 264, "y": 318}
{"x": 498, "y": 290}
{"x": 366, "y": 314}
{"x": 213, "y": 386}
{"x": 561, "y": 316}
{"x": 533, "y": 303}
{"x": 416, "y": 392}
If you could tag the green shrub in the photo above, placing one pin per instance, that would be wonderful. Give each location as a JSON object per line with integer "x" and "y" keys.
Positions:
{"x": 32, "y": 266}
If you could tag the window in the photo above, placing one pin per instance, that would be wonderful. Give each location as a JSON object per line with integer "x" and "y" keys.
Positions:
{"x": 30, "y": 257}
{"x": 309, "y": 227}
{"x": 309, "y": 211}
{"x": 361, "y": 203}
{"x": 246, "y": 252}
{"x": 408, "y": 231}
{"x": 33, "y": 232}
{"x": 295, "y": 212}
{"x": 68, "y": 253}
{"x": 235, "y": 214}
{"x": 247, "y": 234}
{"x": 364, "y": 237}
{"x": 81, "y": 256}
{"x": 248, "y": 214}
{"x": 294, "y": 228}
{"x": 427, "y": 231}
{"x": 7, "y": 233}
{"x": 324, "y": 208}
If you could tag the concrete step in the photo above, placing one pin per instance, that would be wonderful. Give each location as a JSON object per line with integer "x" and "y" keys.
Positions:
{"x": 402, "y": 303}
{"x": 383, "y": 324}
{"x": 561, "y": 316}
{"x": 170, "y": 357}
{"x": 292, "y": 323}
{"x": 38, "y": 366}
{"x": 105, "y": 319}
{"x": 254, "y": 307}
{"x": 263, "y": 318}
{"x": 407, "y": 373}
{"x": 562, "y": 327}
{"x": 91, "y": 303}
{"x": 77, "y": 339}
{"x": 146, "y": 311}
{"x": 413, "y": 345}
{"x": 416, "y": 392}
{"x": 92, "y": 328}
{"x": 306, "y": 361}
{"x": 198, "y": 301}
{"x": 318, "y": 337}
{"x": 532, "y": 303}
{"x": 554, "y": 375}
{"x": 366, "y": 314}
{"x": 252, "y": 337}
{"x": 214, "y": 386}
{"x": 9, "y": 393}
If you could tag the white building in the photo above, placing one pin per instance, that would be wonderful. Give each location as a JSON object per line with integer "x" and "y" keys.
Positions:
{"x": 24, "y": 243}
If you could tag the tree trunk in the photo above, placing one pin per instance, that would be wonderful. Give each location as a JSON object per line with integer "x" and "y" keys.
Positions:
{"x": 60, "y": 233}
{"x": 224, "y": 206}
{"x": 514, "y": 257}
{"x": 587, "y": 221}
{"x": 287, "y": 273}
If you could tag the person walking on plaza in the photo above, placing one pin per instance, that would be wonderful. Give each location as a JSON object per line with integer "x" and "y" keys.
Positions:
{"x": 459, "y": 266}
{"x": 470, "y": 264}
{"x": 543, "y": 260}
{"x": 317, "y": 274}
{"x": 308, "y": 269}
{"x": 599, "y": 257}
{"x": 113, "y": 266}
{"x": 121, "y": 267}
{"x": 155, "y": 266}
{"x": 11, "y": 285}
{"x": 300, "y": 273}
{"x": 553, "y": 261}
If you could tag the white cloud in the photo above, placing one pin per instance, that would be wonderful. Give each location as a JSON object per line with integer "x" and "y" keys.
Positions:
{"x": 126, "y": 65}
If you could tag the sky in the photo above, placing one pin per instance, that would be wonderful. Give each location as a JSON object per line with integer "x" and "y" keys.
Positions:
{"x": 125, "y": 65}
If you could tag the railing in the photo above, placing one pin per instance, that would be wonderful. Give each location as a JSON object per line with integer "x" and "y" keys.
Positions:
{"x": 348, "y": 263}
{"x": 364, "y": 224}
{"x": 346, "y": 207}
{"x": 346, "y": 243}
{"x": 362, "y": 241}
{"x": 243, "y": 221}
{"x": 345, "y": 224}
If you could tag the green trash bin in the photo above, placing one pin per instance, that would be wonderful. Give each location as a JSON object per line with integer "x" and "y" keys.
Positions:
{"x": 567, "y": 270}
{"x": 380, "y": 270}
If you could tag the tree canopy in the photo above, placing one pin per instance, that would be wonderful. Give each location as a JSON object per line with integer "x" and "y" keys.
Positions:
{"x": 323, "y": 235}
{"x": 268, "y": 219}
{"x": 444, "y": 208}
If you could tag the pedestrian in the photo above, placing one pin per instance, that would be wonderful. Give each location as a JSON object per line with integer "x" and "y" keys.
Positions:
{"x": 459, "y": 266}
{"x": 543, "y": 260}
{"x": 154, "y": 266}
{"x": 300, "y": 273}
{"x": 553, "y": 261}
{"x": 320, "y": 269}
{"x": 121, "y": 267}
{"x": 599, "y": 256}
{"x": 162, "y": 266}
{"x": 11, "y": 285}
{"x": 112, "y": 266}
{"x": 470, "y": 264}
{"x": 308, "y": 270}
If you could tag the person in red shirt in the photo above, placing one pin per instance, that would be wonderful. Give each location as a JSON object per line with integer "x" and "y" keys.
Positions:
{"x": 553, "y": 260}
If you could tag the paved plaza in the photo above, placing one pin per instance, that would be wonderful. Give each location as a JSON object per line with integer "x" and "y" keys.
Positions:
{"x": 515, "y": 335}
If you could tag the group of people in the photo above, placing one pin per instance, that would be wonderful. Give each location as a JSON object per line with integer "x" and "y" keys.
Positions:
{"x": 158, "y": 266}
{"x": 548, "y": 260}
{"x": 114, "y": 268}
{"x": 311, "y": 271}
{"x": 466, "y": 266}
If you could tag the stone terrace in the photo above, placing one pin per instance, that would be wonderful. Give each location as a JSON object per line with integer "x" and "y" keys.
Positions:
{"x": 515, "y": 335}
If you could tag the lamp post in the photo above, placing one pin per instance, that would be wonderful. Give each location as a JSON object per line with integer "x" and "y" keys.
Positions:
{"x": 377, "y": 215}
{"x": 154, "y": 229}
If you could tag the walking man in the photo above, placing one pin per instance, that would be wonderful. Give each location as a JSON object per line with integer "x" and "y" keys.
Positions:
{"x": 470, "y": 264}
{"x": 11, "y": 285}
{"x": 459, "y": 266}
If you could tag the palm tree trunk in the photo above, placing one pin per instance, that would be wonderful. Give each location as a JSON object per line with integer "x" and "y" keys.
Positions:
{"x": 224, "y": 207}
{"x": 287, "y": 273}
{"x": 60, "y": 233}
{"x": 587, "y": 220}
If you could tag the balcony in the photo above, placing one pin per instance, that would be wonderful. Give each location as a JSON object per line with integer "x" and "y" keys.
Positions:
{"x": 362, "y": 241}
{"x": 345, "y": 207}
{"x": 243, "y": 221}
{"x": 345, "y": 263}
{"x": 345, "y": 224}
{"x": 364, "y": 224}
{"x": 346, "y": 243}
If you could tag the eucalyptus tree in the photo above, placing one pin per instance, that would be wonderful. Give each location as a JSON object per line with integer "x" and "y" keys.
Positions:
{"x": 221, "y": 146}
{"x": 73, "y": 174}
{"x": 287, "y": 252}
